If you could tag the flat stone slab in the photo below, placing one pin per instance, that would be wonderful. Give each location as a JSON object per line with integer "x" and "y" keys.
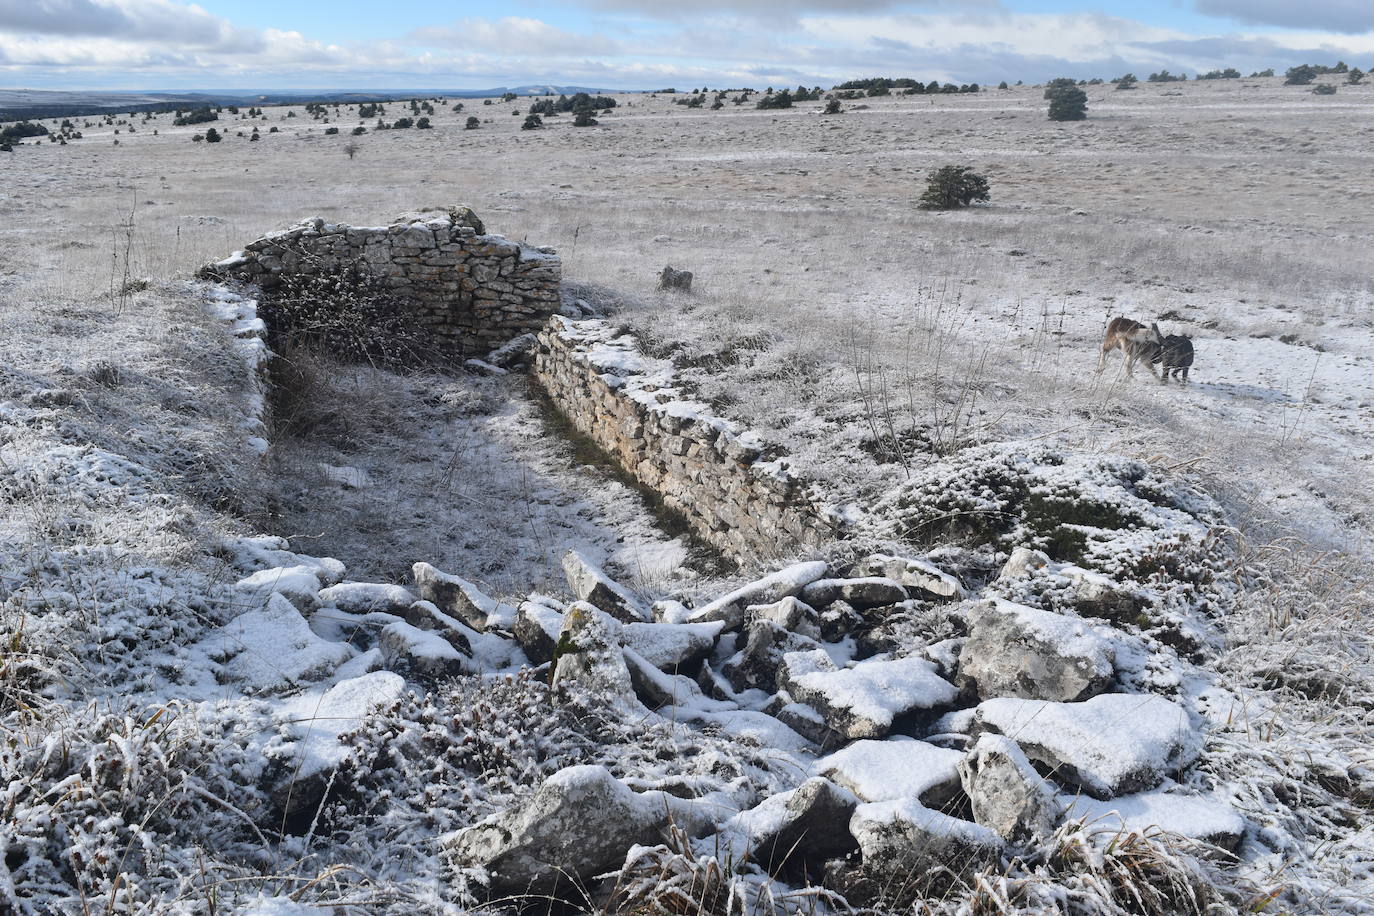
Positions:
{"x": 1109, "y": 745}
{"x": 894, "y": 769}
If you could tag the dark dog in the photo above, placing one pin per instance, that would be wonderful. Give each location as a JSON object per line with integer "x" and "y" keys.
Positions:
{"x": 1176, "y": 356}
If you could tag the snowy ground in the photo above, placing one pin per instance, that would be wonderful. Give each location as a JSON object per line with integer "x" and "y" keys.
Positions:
{"x": 864, "y": 335}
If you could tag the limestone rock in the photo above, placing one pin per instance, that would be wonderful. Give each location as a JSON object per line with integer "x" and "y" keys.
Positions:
{"x": 756, "y": 665}
{"x": 1022, "y": 562}
{"x": 579, "y": 824}
{"x": 421, "y": 655}
{"x": 591, "y": 584}
{"x": 784, "y": 583}
{"x": 1109, "y": 745}
{"x": 866, "y": 700}
{"x": 537, "y": 627}
{"x": 868, "y": 592}
{"x": 894, "y": 769}
{"x": 670, "y": 646}
{"x": 459, "y": 598}
{"x": 790, "y": 614}
{"x": 1017, "y": 651}
{"x": 1006, "y": 793}
{"x": 904, "y": 837}
{"x": 804, "y": 825}
{"x": 912, "y": 573}
{"x": 367, "y": 598}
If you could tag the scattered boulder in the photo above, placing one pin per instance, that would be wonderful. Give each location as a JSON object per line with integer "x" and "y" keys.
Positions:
{"x": 537, "y": 627}
{"x": 1018, "y": 651}
{"x": 591, "y": 584}
{"x": 513, "y": 352}
{"x": 298, "y": 584}
{"x": 756, "y": 665}
{"x": 1022, "y": 562}
{"x": 912, "y": 573}
{"x": 869, "y": 592}
{"x": 1196, "y": 817}
{"x": 680, "y": 280}
{"x": 1109, "y": 745}
{"x": 459, "y": 598}
{"x": 273, "y": 646}
{"x": 421, "y": 655}
{"x": 790, "y": 614}
{"x": 671, "y": 646}
{"x": 784, "y": 583}
{"x": 1005, "y": 792}
{"x": 798, "y": 827}
{"x": 589, "y": 654}
{"x": 894, "y": 769}
{"x": 866, "y": 700}
{"x": 423, "y": 615}
{"x": 579, "y": 824}
{"x": 904, "y": 837}
{"x": 367, "y": 598}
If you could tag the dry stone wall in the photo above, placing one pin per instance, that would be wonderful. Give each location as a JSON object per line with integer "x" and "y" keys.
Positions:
{"x": 734, "y": 495}
{"x": 474, "y": 290}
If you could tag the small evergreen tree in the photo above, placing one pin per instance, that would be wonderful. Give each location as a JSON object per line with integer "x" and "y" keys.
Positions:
{"x": 1301, "y": 75}
{"x": 473, "y": 123}
{"x": 953, "y": 186}
{"x": 532, "y": 122}
{"x": 1001, "y": 85}
{"x": 1324, "y": 89}
{"x": 1355, "y": 76}
{"x": 1067, "y": 103}
{"x": 423, "y": 124}
{"x": 212, "y": 136}
{"x": 1128, "y": 81}
{"x": 833, "y": 107}
{"x": 583, "y": 118}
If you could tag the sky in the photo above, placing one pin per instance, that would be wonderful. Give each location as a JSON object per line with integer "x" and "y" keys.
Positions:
{"x": 632, "y": 44}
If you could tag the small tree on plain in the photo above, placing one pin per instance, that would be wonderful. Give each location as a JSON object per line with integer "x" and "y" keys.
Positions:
{"x": 953, "y": 186}
{"x": 352, "y": 148}
{"x": 833, "y": 107}
{"x": 1324, "y": 89}
{"x": 583, "y": 118}
{"x": 212, "y": 136}
{"x": 532, "y": 122}
{"x": 1126, "y": 82}
{"x": 473, "y": 122}
{"x": 1355, "y": 76}
{"x": 1067, "y": 103}
{"x": 1301, "y": 75}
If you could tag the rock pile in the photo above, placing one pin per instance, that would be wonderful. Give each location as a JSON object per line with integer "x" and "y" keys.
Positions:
{"x": 939, "y": 755}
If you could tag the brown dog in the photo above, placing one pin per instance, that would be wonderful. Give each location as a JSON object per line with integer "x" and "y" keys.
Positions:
{"x": 1134, "y": 340}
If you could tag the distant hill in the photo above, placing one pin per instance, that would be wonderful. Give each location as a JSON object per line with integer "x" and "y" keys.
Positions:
{"x": 17, "y": 104}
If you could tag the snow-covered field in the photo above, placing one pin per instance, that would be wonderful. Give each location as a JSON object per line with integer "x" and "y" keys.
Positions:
{"x": 199, "y": 718}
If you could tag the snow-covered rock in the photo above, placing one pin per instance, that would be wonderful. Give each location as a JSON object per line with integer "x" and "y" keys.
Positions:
{"x": 595, "y": 662}
{"x": 1022, "y": 562}
{"x": 367, "y": 597}
{"x": 805, "y": 824}
{"x": 867, "y": 592}
{"x": 894, "y": 769}
{"x": 273, "y": 646}
{"x": 756, "y": 664}
{"x": 1005, "y": 792}
{"x": 1109, "y": 745}
{"x": 536, "y": 630}
{"x": 591, "y": 584}
{"x": 670, "y": 646}
{"x": 1018, "y": 651}
{"x": 460, "y": 598}
{"x": 423, "y": 655}
{"x": 865, "y": 700}
{"x": 579, "y": 824}
{"x": 912, "y": 573}
{"x": 298, "y": 584}
{"x": 1196, "y": 817}
{"x": 904, "y": 837}
{"x": 784, "y": 583}
{"x": 790, "y": 614}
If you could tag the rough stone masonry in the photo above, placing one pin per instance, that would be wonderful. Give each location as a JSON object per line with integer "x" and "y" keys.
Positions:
{"x": 473, "y": 290}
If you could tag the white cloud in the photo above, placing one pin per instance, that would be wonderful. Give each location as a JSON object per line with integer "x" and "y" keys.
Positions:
{"x": 153, "y": 21}
{"x": 512, "y": 35}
